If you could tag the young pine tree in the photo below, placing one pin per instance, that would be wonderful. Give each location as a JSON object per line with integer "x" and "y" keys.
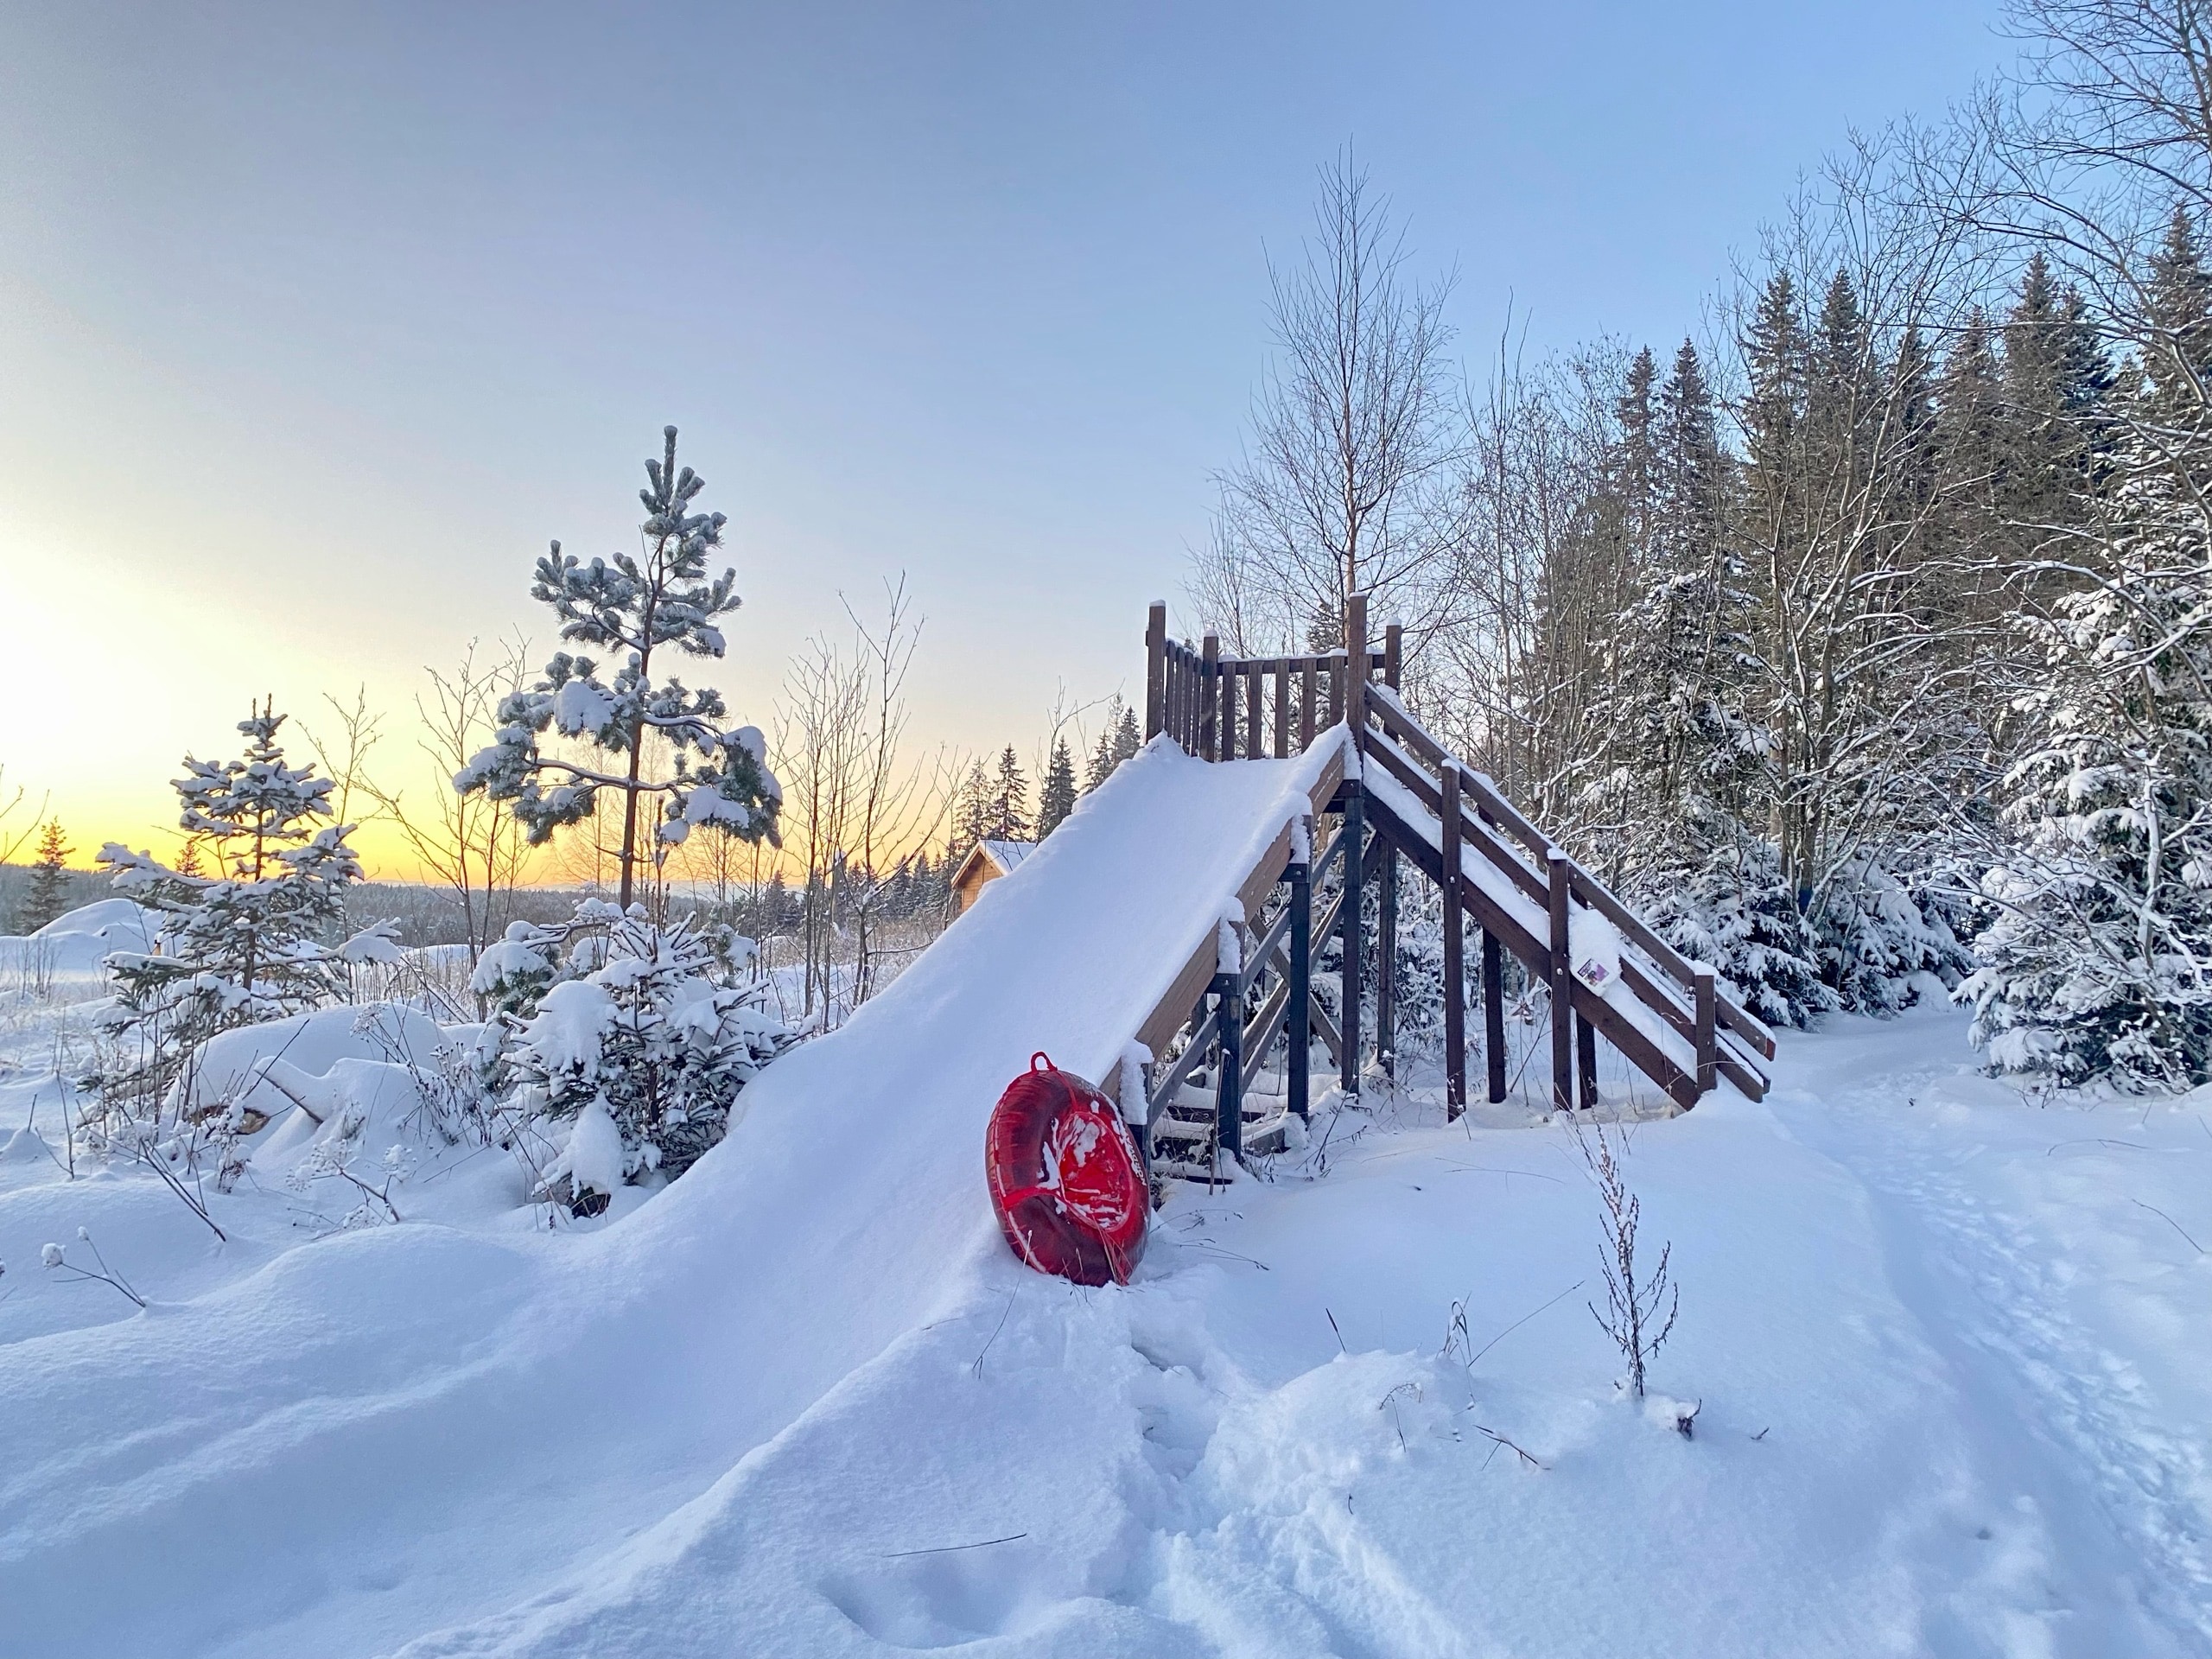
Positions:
{"x": 661, "y": 599}
{"x": 1056, "y": 798}
{"x": 258, "y": 937}
{"x": 48, "y": 896}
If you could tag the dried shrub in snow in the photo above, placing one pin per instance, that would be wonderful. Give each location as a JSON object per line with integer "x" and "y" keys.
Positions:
{"x": 1640, "y": 1312}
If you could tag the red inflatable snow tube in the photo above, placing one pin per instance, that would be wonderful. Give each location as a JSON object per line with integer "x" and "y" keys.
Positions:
{"x": 1065, "y": 1179}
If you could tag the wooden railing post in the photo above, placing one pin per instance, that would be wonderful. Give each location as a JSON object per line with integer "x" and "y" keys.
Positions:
{"x": 1585, "y": 1063}
{"x": 1455, "y": 966}
{"x": 1297, "y": 1040}
{"x": 1155, "y": 670}
{"x": 1226, "y": 732}
{"x": 1282, "y": 708}
{"x": 1305, "y": 701}
{"x": 1255, "y": 742}
{"x": 1709, "y": 1058}
{"x": 1392, "y": 648}
{"x": 1209, "y": 668}
{"x": 1560, "y": 876}
{"x": 1355, "y": 680}
{"x": 1494, "y": 1016}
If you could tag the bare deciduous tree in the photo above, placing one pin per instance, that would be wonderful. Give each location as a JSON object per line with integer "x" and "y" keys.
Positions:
{"x": 1348, "y": 483}
{"x": 468, "y": 844}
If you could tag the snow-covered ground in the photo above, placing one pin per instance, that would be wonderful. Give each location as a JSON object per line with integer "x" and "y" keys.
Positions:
{"x": 1950, "y": 1345}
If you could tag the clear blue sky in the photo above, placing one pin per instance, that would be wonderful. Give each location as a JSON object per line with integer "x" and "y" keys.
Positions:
{"x": 317, "y": 322}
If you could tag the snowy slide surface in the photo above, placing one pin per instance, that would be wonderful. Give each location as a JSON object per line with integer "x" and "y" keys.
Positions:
{"x": 398, "y": 1430}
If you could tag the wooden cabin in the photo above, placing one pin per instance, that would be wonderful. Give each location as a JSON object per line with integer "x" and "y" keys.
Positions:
{"x": 986, "y": 860}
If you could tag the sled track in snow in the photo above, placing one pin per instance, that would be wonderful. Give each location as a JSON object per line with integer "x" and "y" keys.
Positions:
{"x": 1991, "y": 1292}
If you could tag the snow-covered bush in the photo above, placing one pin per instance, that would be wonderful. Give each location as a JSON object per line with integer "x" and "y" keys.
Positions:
{"x": 1735, "y": 911}
{"x": 1873, "y": 937}
{"x": 257, "y": 938}
{"x": 637, "y": 1035}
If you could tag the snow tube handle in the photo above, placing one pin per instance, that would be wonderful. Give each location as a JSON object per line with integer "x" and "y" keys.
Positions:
{"x": 1046, "y": 1062}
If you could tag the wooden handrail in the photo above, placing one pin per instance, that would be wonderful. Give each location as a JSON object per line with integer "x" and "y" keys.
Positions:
{"x": 1194, "y": 697}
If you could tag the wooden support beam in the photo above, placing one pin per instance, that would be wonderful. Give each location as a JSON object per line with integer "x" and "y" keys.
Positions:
{"x": 1299, "y": 1042}
{"x": 1562, "y": 874}
{"x": 1455, "y": 966}
{"x": 1155, "y": 670}
{"x": 1494, "y": 1016}
{"x": 1585, "y": 1063}
{"x": 1209, "y": 668}
{"x": 1355, "y": 835}
{"x": 1228, "y": 1021}
{"x": 1386, "y": 960}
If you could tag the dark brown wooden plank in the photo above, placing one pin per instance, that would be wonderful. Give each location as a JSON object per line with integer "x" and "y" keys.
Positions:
{"x": 1156, "y": 670}
{"x": 1561, "y": 898}
{"x": 1455, "y": 966}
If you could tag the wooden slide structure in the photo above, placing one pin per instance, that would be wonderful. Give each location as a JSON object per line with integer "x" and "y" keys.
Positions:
{"x": 1248, "y": 1011}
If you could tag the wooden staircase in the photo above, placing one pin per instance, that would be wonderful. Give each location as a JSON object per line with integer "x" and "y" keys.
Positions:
{"x": 1390, "y": 791}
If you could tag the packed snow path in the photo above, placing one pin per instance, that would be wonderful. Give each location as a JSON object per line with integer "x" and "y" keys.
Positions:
{"x": 1955, "y": 1374}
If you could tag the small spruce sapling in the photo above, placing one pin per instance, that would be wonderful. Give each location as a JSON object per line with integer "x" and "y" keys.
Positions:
{"x": 259, "y": 936}
{"x": 661, "y": 599}
{"x": 48, "y": 897}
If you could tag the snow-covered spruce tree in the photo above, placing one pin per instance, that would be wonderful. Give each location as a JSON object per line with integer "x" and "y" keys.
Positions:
{"x": 1691, "y": 762}
{"x": 1872, "y": 935}
{"x": 661, "y": 599}
{"x": 1729, "y": 906}
{"x": 260, "y": 936}
{"x": 633, "y": 1033}
{"x": 47, "y": 895}
{"x": 1056, "y": 798}
{"x": 2098, "y": 963}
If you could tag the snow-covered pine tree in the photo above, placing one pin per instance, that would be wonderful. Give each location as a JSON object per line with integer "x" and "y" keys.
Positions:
{"x": 259, "y": 937}
{"x": 661, "y": 599}
{"x": 47, "y": 895}
{"x": 2098, "y": 963}
{"x": 1056, "y": 798}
